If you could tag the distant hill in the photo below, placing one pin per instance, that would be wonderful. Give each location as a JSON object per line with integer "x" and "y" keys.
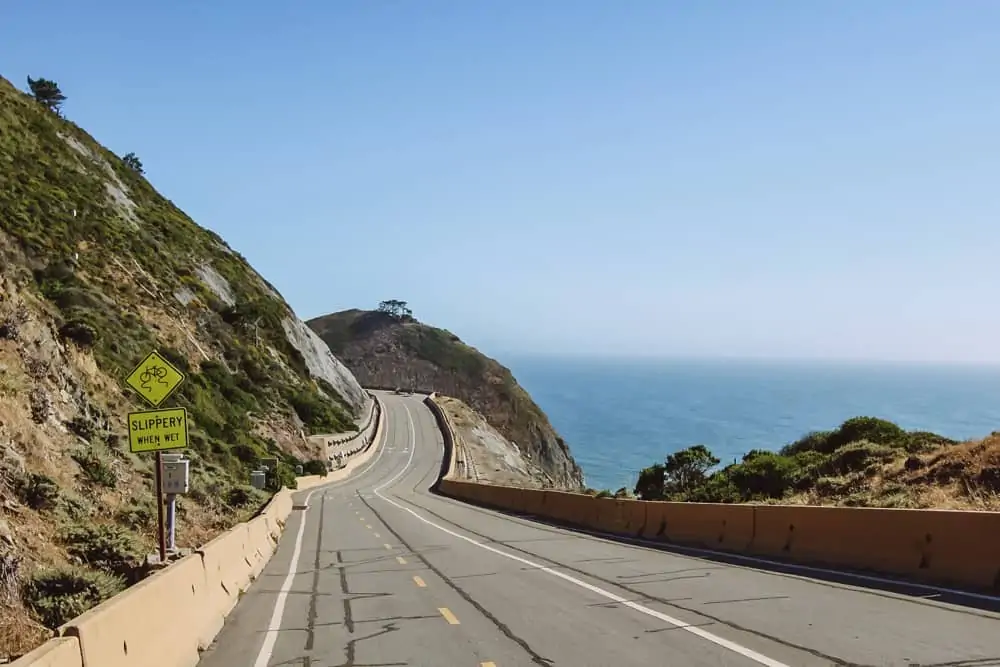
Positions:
{"x": 386, "y": 350}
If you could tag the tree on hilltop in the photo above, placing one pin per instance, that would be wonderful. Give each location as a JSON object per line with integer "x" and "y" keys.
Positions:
{"x": 47, "y": 93}
{"x": 132, "y": 161}
{"x": 395, "y": 309}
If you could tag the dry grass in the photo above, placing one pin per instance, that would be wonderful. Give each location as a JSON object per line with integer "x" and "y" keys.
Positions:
{"x": 965, "y": 476}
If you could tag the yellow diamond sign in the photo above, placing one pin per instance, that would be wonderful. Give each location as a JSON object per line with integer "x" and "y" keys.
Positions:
{"x": 154, "y": 379}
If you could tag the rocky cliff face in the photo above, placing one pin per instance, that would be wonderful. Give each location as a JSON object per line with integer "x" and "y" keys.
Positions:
{"x": 96, "y": 270}
{"x": 400, "y": 352}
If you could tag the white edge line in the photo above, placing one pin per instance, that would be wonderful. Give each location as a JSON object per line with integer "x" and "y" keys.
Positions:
{"x": 667, "y": 546}
{"x": 271, "y": 635}
{"x": 699, "y": 632}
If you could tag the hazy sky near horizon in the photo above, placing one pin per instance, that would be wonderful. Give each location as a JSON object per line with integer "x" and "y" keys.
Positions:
{"x": 748, "y": 179}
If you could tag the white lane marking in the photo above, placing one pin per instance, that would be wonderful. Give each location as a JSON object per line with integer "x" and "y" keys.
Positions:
{"x": 676, "y": 622}
{"x": 274, "y": 626}
{"x": 413, "y": 437}
{"x": 271, "y": 636}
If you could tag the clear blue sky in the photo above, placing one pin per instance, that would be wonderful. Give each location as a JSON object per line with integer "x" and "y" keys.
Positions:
{"x": 753, "y": 179}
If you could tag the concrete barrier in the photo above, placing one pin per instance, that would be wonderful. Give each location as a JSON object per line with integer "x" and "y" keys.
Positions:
{"x": 710, "y": 525}
{"x": 165, "y": 619}
{"x": 959, "y": 548}
{"x": 155, "y": 622}
{"x": 57, "y": 652}
{"x": 227, "y": 574}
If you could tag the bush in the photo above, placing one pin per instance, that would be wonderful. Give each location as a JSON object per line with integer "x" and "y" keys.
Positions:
{"x": 878, "y": 431}
{"x": 811, "y": 442}
{"x": 60, "y": 595}
{"x": 857, "y": 456}
{"x": 107, "y": 547}
{"x": 318, "y": 414}
{"x": 244, "y": 495}
{"x": 765, "y": 475}
{"x": 95, "y": 468}
{"x": 314, "y": 467}
{"x": 80, "y": 332}
{"x": 38, "y": 491}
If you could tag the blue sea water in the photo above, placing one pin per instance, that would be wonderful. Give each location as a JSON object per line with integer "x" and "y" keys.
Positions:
{"x": 619, "y": 417}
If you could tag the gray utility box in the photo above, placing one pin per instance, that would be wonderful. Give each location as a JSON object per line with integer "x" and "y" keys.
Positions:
{"x": 176, "y": 474}
{"x": 258, "y": 479}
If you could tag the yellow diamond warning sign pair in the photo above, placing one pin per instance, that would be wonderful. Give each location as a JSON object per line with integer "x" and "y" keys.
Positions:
{"x": 156, "y": 379}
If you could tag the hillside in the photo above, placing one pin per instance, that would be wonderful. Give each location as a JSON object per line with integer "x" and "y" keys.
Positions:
{"x": 96, "y": 270}
{"x": 864, "y": 462}
{"x": 398, "y": 351}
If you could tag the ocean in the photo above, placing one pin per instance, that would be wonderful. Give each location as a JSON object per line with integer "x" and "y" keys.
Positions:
{"x": 621, "y": 416}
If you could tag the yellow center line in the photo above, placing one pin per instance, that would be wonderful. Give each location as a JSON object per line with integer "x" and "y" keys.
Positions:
{"x": 448, "y": 616}
{"x": 402, "y": 561}
{"x": 387, "y": 547}
{"x": 368, "y": 526}
{"x": 419, "y": 582}
{"x": 377, "y": 535}
{"x": 487, "y": 664}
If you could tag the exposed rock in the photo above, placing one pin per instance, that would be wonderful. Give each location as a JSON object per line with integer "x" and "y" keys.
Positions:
{"x": 321, "y": 362}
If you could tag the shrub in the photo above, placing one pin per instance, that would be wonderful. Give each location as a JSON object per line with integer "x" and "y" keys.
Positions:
{"x": 95, "y": 468}
{"x": 106, "y": 547}
{"x": 766, "y": 475}
{"x": 811, "y": 442}
{"x": 878, "y": 431}
{"x": 80, "y": 332}
{"x": 243, "y": 495}
{"x": 38, "y": 491}
{"x": 857, "y": 456}
{"x": 314, "y": 467}
{"x": 60, "y": 595}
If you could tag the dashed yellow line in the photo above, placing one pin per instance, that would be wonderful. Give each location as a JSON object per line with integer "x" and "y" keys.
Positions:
{"x": 487, "y": 664}
{"x": 401, "y": 560}
{"x": 368, "y": 526}
{"x": 387, "y": 547}
{"x": 377, "y": 535}
{"x": 419, "y": 582}
{"x": 448, "y": 616}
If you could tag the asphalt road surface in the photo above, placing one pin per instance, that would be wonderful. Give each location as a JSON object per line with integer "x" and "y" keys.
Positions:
{"x": 380, "y": 571}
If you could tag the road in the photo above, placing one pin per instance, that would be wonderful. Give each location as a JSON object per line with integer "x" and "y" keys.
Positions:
{"x": 380, "y": 571}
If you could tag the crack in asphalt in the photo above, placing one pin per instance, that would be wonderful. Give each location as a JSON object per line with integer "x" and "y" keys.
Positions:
{"x": 314, "y": 597}
{"x": 647, "y": 597}
{"x": 536, "y": 658}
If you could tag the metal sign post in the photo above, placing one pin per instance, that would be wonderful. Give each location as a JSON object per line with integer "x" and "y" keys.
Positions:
{"x": 159, "y": 506}
{"x": 155, "y": 380}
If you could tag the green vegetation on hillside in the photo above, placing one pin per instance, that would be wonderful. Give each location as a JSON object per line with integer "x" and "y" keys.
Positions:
{"x": 85, "y": 219}
{"x": 119, "y": 270}
{"x": 835, "y": 466}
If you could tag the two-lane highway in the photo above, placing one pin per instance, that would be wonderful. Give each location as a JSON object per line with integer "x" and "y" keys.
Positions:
{"x": 380, "y": 571}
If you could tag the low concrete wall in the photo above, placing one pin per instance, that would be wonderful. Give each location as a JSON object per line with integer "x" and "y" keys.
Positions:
{"x": 166, "y": 619}
{"x": 938, "y": 546}
{"x": 58, "y": 652}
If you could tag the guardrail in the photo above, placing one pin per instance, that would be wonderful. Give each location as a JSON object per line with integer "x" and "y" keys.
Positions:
{"x": 365, "y": 436}
{"x": 168, "y": 618}
{"x": 945, "y": 547}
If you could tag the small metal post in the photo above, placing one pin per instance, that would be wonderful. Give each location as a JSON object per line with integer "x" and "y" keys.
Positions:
{"x": 171, "y": 521}
{"x": 159, "y": 507}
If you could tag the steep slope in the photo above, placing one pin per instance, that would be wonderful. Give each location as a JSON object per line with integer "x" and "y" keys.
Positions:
{"x": 96, "y": 270}
{"x": 385, "y": 350}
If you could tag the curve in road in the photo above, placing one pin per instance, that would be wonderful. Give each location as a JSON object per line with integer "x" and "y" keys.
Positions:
{"x": 381, "y": 571}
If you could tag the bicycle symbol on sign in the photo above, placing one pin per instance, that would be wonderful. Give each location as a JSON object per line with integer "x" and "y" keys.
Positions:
{"x": 151, "y": 373}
